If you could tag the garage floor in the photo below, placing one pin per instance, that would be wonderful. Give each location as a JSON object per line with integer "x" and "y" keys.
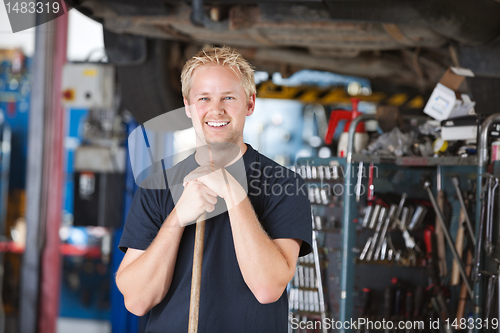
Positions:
{"x": 69, "y": 325}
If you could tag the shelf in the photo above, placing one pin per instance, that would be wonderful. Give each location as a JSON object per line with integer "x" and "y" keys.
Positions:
{"x": 416, "y": 160}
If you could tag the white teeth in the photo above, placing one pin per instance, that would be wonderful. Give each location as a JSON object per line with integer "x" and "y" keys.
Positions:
{"x": 217, "y": 124}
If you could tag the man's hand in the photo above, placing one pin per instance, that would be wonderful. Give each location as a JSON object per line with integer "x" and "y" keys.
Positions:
{"x": 219, "y": 181}
{"x": 195, "y": 200}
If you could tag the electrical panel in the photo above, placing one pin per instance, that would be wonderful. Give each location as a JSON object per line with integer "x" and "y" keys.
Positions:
{"x": 88, "y": 85}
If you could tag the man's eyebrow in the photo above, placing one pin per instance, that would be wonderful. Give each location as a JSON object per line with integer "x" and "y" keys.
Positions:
{"x": 223, "y": 93}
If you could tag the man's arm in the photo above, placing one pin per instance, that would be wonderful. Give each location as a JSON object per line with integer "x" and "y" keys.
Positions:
{"x": 266, "y": 265}
{"x": 144, "y": 277}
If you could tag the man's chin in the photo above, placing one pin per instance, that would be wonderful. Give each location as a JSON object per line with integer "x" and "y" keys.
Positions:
{"x": 221, "y": 145}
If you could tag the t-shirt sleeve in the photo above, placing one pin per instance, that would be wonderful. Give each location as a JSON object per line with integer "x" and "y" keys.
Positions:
{"x": 288, "y": 213}
{"x": 144, "y": 220}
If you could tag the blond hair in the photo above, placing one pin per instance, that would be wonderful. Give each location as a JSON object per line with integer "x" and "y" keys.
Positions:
{"x": 223, "y": 56}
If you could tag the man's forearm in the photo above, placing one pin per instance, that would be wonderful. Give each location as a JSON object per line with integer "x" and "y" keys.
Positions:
{"x": 144, "y": 281}
{"x": 264, "y": 267}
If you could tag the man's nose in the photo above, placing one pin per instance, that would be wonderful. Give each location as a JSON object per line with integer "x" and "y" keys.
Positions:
{"x": 217, "y": 107}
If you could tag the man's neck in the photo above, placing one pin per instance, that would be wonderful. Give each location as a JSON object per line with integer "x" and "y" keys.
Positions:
{"x": 221, "y": 155}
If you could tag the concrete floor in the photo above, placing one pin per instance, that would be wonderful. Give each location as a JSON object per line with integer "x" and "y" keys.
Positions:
{"x": 70, "y": 325}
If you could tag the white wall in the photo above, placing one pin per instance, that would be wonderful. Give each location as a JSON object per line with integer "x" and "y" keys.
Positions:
{"x": 84, "y": 36}
{"x": 8, "y": 40}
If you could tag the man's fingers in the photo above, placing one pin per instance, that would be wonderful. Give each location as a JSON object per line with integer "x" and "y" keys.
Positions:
{"x": 197, "y": 173}
{"x": 210, "y": 208}
{"x": 202, "y": 187}
{"x": 210, "y": 198}
{"x": 209, "y": 191}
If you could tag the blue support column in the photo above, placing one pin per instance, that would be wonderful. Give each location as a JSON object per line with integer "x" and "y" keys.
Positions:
{"x": 348, "y": 242}
{"x": 123, "y": 321}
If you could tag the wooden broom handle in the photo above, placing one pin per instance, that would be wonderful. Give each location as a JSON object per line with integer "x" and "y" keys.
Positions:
{"x": 194, "y": 302}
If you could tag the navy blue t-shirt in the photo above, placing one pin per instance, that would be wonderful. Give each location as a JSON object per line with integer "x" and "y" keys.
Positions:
{"x": 279, "y": 198}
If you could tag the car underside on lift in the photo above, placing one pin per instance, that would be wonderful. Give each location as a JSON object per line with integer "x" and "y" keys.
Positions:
{"x": 394, "y": 43}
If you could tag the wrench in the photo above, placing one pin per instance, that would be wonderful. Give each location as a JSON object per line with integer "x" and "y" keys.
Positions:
{"x": 489, "y": 298}
{"x": 381, "y": 239}
{"x": 375, "y": 235}
{"x": 402, "y": 201}
{"x": 360, "y": 179}
{"x": 365, "y": 249}
{"x": 374, "y": 217}
{"x": 491, "y": 208}
{"x": 368, "y": 214}
{"x": 477, "y": 259}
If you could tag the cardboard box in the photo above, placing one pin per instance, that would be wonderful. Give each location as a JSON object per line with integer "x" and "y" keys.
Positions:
{"x": 445, "y": 102}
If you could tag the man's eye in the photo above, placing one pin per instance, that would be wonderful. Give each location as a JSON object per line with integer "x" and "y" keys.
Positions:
{"x": 229, "y": 97}
{"x": 203, "y": 99}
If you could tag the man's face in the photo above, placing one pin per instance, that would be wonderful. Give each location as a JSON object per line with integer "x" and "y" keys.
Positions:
{"x": 220, "y": 103}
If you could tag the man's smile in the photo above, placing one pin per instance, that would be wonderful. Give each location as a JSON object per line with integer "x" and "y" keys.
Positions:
{"x": 217, "y": 123}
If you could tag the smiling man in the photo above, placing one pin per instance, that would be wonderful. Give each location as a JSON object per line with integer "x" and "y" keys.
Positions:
{"x": 252, "y": 240}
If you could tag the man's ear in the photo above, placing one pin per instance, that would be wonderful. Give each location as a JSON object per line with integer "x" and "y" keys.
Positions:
{"x": 251, "y": 105}
{"x": 186, "y": 107}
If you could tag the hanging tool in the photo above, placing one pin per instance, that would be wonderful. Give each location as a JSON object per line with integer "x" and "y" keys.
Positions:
{"x": 498, "y": 293}
{"x": 446, "y": 234}
{"x": 365, "y": 305}
{"x": 490, "y": 293}
{"x": 441, "y": 247}
{"x": 359, "y": 183}
{"x": 388, "y": 302}
{"x": 371, "y": 187}
{"x": 459, "y": 243}
{"x": 319, "y": 281}
{"x": 410, "y": 243}
{"x": 456, "y": 184}
{"x": 388, "y": 220}
{"x": 365, "y": 301}
{"x": 384, "y": 250}
{"x": 397, "y": 221}
{"x": 376, "y": 213}
{"x": 419, "y": 300}
{"x": 405, "y": 216}
{"x": 376, "y": 234}
{"x": 477, "y": 260}
{"x": 409, "y": 304}
{"x": 368, "y": 214}
{"x": 417, "y": 217}
{"x": 463, "y": 290}
{"x": 365, "y": 249}
{"x": 398, "y": 295}
{"x": 489, "y": 221}
{"x": 438, "y": 301}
